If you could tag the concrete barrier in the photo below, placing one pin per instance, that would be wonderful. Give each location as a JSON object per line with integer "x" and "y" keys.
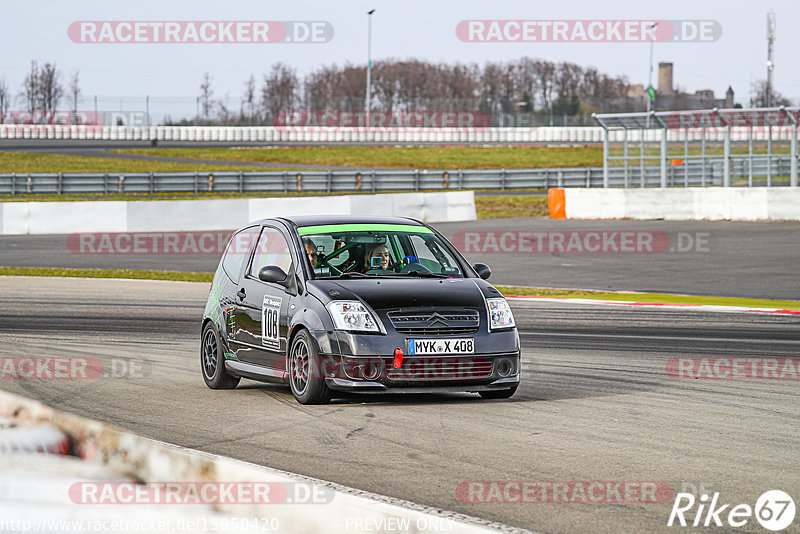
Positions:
{"x": 18, "y": 218}
{"x": 150, "y": 461}
{"x": 710, "y": 203}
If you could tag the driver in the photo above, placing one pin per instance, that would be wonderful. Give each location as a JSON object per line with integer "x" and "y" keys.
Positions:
{"x": 382, "y": 252}
{"x": 311, "y": 250}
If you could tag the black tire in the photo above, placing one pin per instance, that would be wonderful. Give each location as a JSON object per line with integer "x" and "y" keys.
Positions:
{"x": 305, "y": 372}
{"x": 498, "y": 394}
{"x": 212, "y": 361}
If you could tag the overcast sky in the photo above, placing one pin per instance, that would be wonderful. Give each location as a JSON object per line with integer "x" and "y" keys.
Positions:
{"x": 426, "y": 29}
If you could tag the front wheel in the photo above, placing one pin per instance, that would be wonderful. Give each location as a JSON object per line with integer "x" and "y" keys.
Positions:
{"x": 212, "y": 361}
{"x": 305, "y": 372}
{"x": 498, "y": 394}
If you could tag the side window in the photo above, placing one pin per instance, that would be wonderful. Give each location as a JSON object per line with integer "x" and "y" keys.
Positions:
{"x": 272, "y": 249}
{"x": 422, "y": 250}
{"x": 326, "y": 244}
{"x": 237, "y": 250}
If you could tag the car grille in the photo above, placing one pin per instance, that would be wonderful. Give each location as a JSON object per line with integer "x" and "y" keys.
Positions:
{"x": 463, "y": 368}
{"x": 437, "y": 323}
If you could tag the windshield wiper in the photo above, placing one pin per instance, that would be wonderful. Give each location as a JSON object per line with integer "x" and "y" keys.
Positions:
{"x": 422, "y": 274}
{"x": 352, "y": 274}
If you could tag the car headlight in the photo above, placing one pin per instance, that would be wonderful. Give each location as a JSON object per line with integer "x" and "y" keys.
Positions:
{"x": 352, "y": 315}
{"x": 500, "y": 315}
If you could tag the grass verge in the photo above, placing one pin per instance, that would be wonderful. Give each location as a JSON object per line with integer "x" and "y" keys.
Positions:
{"x": 134, "y": 274}
{"x": 397, "y": 157}
{"x": 390, "y": 157}
{"x": 437, "y": 157}
{"x": 656, "y": 298}
{"x": 661, "y": 298}
{"x": 502, "y": 206}
{"x": 30, "y": 162}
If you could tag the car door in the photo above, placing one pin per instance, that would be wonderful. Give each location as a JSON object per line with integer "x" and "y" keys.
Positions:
{"x": 260, "y": 316}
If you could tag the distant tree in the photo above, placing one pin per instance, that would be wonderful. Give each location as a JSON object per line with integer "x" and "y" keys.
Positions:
{"x": 566, "y": 105}
{"x": 5, "y": 99}
{"x": 762, "y": 97}
{"x": 567, "y": 79}
{"x": 589, "y": 86}
{"x": 248, "y": 99}
{"x": 526, "y": 84}
{"x": 50, "y": 90}
{"x": 74, "y": 93}
{"x": 491, "y": 88}
{"x": 545, "y": 72}
{"x": 386, "y": 78}
{"x": 224, "y": 115}
{"x": 206, "y": 92}
{"x": 279, "y": 92}
{"x": 30, "y": 88}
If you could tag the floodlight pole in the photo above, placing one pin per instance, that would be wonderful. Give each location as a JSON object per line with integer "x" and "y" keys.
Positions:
{"x": 650, "y": 74}
{"x": 369, "y": 65}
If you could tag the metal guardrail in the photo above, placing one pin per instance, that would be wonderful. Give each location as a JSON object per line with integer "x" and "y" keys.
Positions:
{"x": 752, "y": 171}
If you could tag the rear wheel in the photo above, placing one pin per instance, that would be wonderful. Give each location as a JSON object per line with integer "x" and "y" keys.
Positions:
{"x": 212, "y": 361}
{"x": 305, "y": 372}
{"x": 498, "y": 394}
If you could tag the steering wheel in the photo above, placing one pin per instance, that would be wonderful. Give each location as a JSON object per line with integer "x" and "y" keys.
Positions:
{"x": 414, "y": 268}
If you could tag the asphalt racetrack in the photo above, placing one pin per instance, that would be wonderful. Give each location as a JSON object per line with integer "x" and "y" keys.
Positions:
{"x": 596, "y": 403}
{"x": 739, "y": 259}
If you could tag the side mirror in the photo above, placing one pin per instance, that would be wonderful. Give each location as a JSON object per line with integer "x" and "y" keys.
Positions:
{"x": 274, "y": 274}
{"x": 483, "y": 270}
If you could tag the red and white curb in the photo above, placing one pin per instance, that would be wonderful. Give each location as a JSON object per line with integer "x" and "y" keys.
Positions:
{"x": 40, "y": 438}
{"x": 152, "y": 461}
{"x": 673, "y": 306}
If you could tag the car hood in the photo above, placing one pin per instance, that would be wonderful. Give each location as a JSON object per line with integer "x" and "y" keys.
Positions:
{"x": 383, "y": 293}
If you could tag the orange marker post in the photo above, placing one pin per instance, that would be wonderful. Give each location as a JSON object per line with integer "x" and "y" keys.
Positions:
{"x": 557, "y": 203}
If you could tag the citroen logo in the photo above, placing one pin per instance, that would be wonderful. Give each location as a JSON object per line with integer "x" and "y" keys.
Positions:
{"x": 437, "y": 319}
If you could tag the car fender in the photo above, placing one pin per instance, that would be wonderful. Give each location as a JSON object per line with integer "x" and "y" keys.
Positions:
{"x": 320, "y": 326}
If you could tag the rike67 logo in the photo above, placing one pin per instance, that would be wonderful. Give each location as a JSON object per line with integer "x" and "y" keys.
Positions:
{"x": 774, "y": 510}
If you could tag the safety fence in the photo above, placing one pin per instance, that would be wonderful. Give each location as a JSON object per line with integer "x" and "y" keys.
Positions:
{"x": 744, "y": 170}
{"x": 760, "y": 145}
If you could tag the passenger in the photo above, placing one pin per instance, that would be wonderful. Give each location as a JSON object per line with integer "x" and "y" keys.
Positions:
{"x": 311, "y": 250}
{"x": 382, "y": 252}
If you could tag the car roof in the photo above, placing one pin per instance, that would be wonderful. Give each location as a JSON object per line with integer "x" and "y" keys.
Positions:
{"x": 316, "y": 220}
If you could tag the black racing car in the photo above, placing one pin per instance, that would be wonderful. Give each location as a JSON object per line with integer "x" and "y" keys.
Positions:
{"x": 360, "y": 304}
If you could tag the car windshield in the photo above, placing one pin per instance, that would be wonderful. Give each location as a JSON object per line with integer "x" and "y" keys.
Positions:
{"x": 381, "y": 250}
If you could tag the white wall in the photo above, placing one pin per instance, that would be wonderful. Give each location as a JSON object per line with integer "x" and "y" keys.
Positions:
{"x": 222, "y": 214}
{"x": 710, "y": 203}
{"x": 267, "y": 134}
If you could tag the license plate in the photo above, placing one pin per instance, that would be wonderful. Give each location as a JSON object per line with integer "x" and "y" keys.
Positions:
{"x": 441, "y": 346}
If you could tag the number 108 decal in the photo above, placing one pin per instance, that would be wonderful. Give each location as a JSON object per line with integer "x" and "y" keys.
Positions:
{"x": 270, "y": 322}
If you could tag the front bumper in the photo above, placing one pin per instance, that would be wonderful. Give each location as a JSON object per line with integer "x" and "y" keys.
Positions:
{"x": 355, "y": 386}
{"x": 365, "y": 363}
{"x": 467, "y": 372}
